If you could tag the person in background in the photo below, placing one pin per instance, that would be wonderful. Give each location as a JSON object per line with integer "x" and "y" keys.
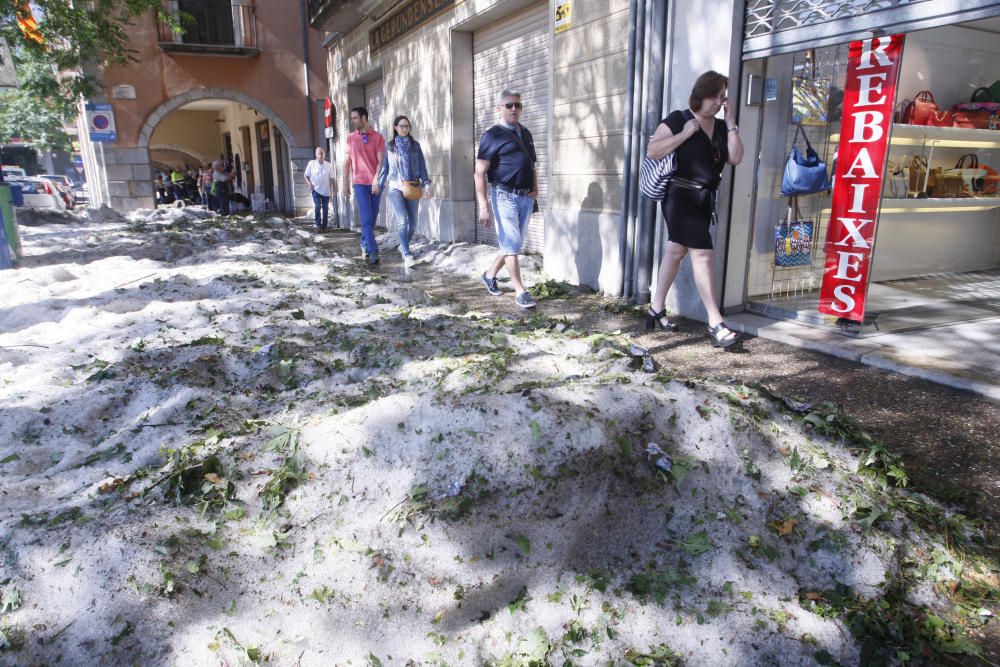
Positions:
{"x": 704, "y": 145}
{"x": 507, "y": 159}
{"x": 404, "y": 161}
{"x": 365, "y": 152}
{"x": 222, "y": 183}
{"x": 205, "y": 184}
{"x": 319, "y": 178}
{"x": 177, "y": 184}
{"x": 160, "y": 188}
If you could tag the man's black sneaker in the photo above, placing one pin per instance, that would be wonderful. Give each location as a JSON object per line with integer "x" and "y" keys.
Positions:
{"x": 491, "y": 285}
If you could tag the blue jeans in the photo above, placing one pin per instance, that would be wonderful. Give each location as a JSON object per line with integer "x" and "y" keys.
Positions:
{"x": 405, "y": 211}
{"x": 321, "y": 202}
{"x": 367, "y": 203}
{"x": 510, "y": 216}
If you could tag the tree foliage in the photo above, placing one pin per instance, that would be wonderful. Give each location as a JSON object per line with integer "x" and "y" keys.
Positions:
{"x": 55, "y": 74}
{"x": 36, "y": 111}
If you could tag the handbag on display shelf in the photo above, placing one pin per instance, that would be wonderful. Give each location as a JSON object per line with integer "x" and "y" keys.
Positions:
{"x": 941, "y": 119}
{"x": 979, "y": 102}
{"x": 989, "y": 93}
{"x": 806, "y": 174}
{"x": 943, "y": 183}
{"x": 899, "y": 180}
{"x": 810, "y": 101}
{"x": 810, "y": 96}
{"x": 793, "y": 238}
{"x": 918, "y": 112}
{"x": 972, "y": 120}
{"x": 975, "y": 175}
{"x": 918, "y": 175}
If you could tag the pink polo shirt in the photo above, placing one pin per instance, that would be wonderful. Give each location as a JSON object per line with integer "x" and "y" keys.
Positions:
{"x": 364, "y": 156}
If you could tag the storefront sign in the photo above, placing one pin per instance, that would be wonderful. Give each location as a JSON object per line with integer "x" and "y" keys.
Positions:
{"x": 101, "y": 121}
{"x": 407, "y": 18}
{"x": 869, "y": 94}
{"x": 564, "y": 16}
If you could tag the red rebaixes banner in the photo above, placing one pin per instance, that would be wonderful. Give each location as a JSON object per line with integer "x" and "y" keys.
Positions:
{"x": 869, "y": 95}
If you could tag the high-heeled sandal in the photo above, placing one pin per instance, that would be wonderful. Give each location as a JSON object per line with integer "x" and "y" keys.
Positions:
{"x": 722, "y": 336}
{"x": 655, "y": 320}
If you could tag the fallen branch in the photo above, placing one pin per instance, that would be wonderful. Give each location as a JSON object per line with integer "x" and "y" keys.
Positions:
{"x": 7, "y": 347}
{"x": 134, "y": 281}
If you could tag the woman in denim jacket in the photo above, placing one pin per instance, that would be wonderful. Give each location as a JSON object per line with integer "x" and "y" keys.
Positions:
{"x": 404, "y": 161}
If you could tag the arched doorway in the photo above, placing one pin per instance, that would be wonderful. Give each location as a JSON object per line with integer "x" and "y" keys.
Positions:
{"x": 214, "y": 123}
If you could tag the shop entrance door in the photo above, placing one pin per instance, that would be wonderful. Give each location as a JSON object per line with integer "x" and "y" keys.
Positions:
{"x": 247, "y": 158}
{"x": 514, "y": 53}
{"x": 264, "y": 150}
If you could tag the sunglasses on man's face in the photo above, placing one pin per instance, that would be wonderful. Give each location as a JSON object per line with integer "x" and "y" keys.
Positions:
{"x": 512, "y": 105}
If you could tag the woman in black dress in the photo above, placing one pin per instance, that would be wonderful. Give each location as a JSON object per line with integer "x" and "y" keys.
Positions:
{"x": 704, "y": 146}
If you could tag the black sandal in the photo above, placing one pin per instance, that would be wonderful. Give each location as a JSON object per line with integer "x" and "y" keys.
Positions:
{"x": 722, "y": 336}
{"x": 654, "y": 320}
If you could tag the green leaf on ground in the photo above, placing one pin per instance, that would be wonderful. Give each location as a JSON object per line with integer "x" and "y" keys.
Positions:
{"x": 523, "y": 543}
{"x": 8, "y": 459}
{"x": 207, "y": 340}
{"x": 697, "y": 544}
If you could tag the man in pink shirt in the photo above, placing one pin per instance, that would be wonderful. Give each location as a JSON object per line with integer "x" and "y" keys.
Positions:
{"x": 365, "y": 152}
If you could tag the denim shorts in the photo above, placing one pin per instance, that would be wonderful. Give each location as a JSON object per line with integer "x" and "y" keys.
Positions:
{"x": 510, "y": 216}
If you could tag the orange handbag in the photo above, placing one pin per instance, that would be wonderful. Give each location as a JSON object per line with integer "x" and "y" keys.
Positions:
{"x": 941, "y": 119}
{"x": 985, "y": 185}
{"x": 918, "y": 112}
{"x": 977, "y": 120}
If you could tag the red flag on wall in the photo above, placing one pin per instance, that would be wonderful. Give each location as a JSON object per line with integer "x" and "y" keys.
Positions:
{"x": 27, "y": 23}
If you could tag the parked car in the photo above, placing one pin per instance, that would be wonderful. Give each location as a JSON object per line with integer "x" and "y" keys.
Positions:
{"x": 11, "y": 171}
{"x": 39, "y": 193}
{"x": 81, "y": 194}
{"x": 65, "y": 187}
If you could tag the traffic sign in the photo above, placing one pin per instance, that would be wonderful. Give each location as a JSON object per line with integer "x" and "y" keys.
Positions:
{"x": 101, "y": 120}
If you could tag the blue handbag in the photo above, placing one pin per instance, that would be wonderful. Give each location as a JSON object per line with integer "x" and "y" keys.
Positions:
{"x": 803, "y": 175}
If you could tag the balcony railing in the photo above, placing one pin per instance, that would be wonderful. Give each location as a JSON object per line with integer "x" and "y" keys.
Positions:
{"x": 211, "y": 28}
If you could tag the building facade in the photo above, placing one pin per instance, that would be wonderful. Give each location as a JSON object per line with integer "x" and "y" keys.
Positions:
{"x": 598, "y": 76}
{"x": 244, "y": 82}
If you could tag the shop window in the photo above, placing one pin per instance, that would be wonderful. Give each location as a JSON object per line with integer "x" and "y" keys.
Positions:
{"x": 936, "y": 256}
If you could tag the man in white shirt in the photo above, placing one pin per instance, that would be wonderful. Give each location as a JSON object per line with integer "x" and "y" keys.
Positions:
{"x": 319, "y": 178}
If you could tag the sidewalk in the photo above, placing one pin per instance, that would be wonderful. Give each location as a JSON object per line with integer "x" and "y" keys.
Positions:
{"x": 965, "y": 356}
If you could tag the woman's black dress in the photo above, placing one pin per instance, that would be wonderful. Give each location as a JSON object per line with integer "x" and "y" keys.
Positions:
{"x": 689, "y": 213}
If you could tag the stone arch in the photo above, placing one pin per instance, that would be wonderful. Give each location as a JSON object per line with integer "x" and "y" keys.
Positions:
{"x": 154, "y": 118}
{"x": 184, "y": 150}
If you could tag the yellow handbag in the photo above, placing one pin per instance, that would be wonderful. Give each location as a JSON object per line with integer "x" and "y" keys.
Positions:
{"x": 412, "y": 190}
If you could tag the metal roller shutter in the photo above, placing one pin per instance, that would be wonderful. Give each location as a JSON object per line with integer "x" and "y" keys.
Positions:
{"x": 514, "y": 53}
{"x": 375, "y": 103}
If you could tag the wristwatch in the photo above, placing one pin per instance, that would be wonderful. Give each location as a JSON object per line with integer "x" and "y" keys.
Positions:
{"x": 734, "y": 128}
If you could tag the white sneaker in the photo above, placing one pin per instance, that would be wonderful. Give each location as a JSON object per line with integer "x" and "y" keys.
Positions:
{"x": 409, "y": 261}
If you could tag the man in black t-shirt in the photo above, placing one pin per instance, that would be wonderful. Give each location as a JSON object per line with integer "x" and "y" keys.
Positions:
{"x": 506, "y": 159}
